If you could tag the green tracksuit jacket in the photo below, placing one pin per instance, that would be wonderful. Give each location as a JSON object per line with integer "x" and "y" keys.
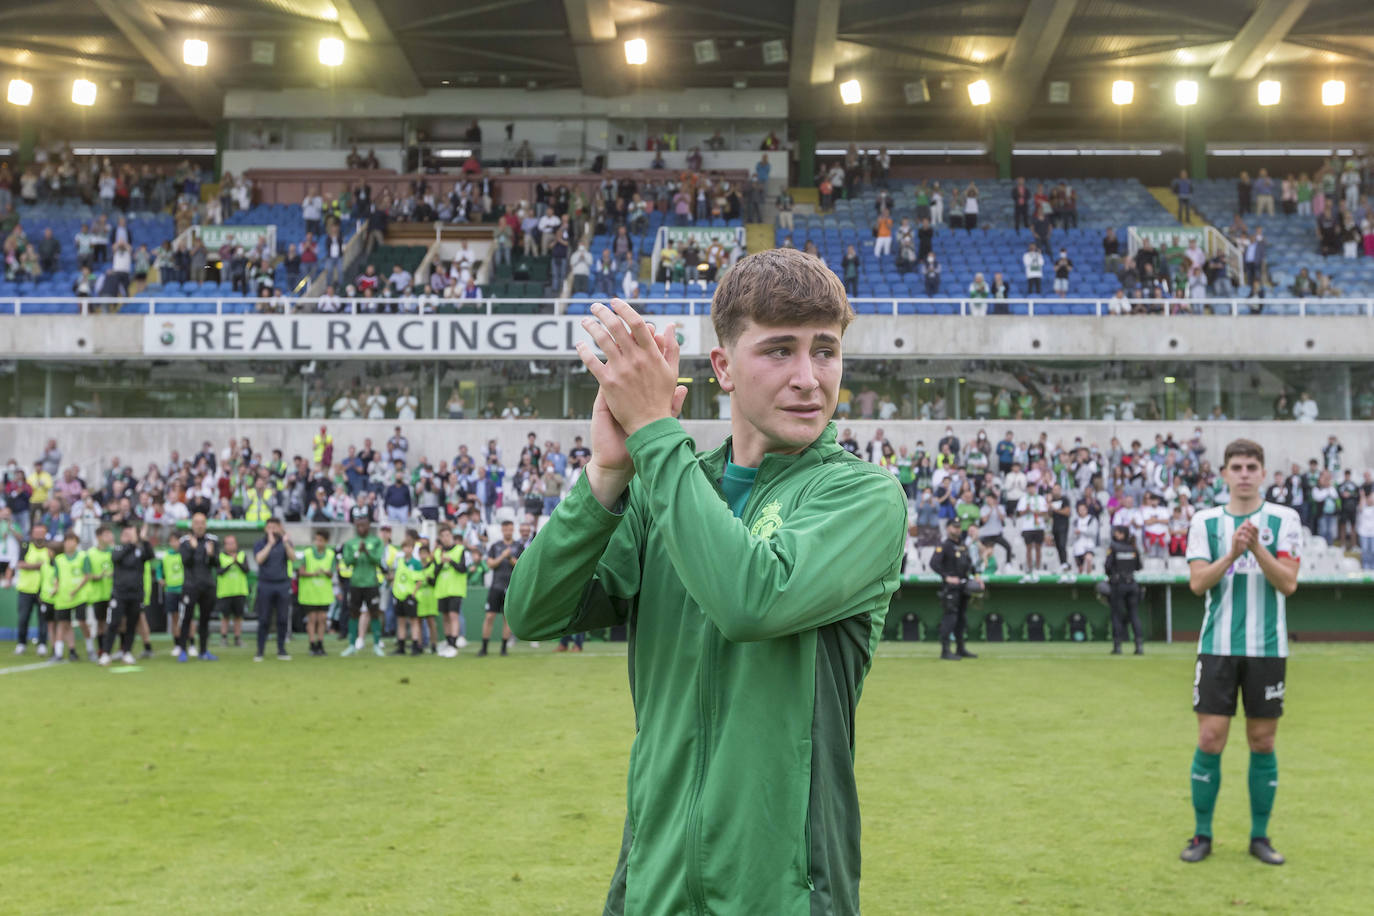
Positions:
{"x": 749, "y": 641}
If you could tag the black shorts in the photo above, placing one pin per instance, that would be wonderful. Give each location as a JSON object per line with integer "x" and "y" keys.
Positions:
{"x": 130, "y": 607}
{"x": 232, "y": 606}
{"x": 1260, "y": 681}
{"x": 359, "y": 596}
{"x": 453, "y": 604}
{"x": 100, "y": 609}
{"x": 1034, "y": 536}
{"x": 496, "y": 601}
{"x": 314, "y": 608}
{"x": 64, "y": 614}
{"x": 405, "y": 607}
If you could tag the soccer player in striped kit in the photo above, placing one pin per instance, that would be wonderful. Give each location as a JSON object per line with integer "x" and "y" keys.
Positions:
{"x": 1243, "y": 557}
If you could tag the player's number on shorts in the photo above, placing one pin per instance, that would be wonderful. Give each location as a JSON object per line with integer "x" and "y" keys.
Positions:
{"x": 1197, "y": 682}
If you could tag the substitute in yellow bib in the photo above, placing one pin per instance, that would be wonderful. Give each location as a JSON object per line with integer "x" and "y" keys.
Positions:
{"x": 450, "y": 588}
{"x": 231, "y": 590}
{"x": 315, "y": 589}
{"x": 33, "y": 556}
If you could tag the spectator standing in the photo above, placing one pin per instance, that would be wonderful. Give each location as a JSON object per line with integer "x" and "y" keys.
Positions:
{"x": 1034, "y": 264}
{"x": 1063, "y": 268}
{"x": 1183, "y": 189}
{"x": 1305, "y": 410}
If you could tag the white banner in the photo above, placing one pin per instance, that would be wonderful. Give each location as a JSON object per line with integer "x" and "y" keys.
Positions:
{"x": 372, "y": 336}
{"x": 247, "y": 236}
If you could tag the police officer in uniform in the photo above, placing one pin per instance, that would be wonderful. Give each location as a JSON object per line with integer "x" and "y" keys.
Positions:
{"x": 954, "y": 564}
{"x": 1123, "y": 562}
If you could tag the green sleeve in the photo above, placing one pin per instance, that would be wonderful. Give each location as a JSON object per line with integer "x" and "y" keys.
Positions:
{"x": 580, "y": 573}
{"x": 86, "y": 564}
{"x": 836, "y": 555}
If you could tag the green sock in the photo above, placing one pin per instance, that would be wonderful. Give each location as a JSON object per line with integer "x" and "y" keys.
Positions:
{"x": 1264, "y": 784}
{"x": 352, "y": 630}
{"x": 375, "y": 628}
{"x": 1206, "y": 784}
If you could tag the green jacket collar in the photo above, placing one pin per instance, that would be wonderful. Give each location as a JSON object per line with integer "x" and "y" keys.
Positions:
{"x": 824, "y": 447}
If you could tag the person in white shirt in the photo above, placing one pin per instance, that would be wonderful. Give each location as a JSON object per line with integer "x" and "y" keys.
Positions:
{"x": 1085, "y": 531}
{"x": 406, "y": 405}
{"x": 580, "y": 266}
{"x": 1034, "y": 263}
{"x": 1155, "y": 522}
{"x": 1364, "y": 530}
{"x": 1119, "y": 304}
{"x": 548, "y": 231}
{"x": 346, "y": 407}
{"x": 1128, "y": 516}
{"x": 376, "y": 404}
{"x": 1013, "y": 487}
{"x": 887, "y": 409}
{"x": 629, "y": 287}
{"x": 312, "y": 211}
{"x": 399, "y": 281}
{"x": 1305, "y": 410}
{"x": 329, "y": 303}
{"x": 1032, "y": 518}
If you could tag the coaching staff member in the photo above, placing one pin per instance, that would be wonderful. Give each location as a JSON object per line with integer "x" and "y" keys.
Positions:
{"x": 200, "y": 558}
{"x": 126, "y": 600}
{"x": 273, "y": 553}
{"x": 952, "y": 562}
{"x": 753, "y": 579}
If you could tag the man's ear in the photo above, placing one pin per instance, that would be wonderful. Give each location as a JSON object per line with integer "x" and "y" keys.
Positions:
{"x": 721, "y": 364}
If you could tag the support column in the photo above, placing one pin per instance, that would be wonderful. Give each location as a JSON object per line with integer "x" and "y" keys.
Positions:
{"x": 1195, "y": 148}
{"x": 806, "y": 155}
{"x": 28, "y": 140}
{"x": 1003, "y": 135}
{"x": 221, "y": 143}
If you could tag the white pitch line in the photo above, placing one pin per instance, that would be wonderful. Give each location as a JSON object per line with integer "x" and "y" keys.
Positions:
{"x": 36, "y": 666}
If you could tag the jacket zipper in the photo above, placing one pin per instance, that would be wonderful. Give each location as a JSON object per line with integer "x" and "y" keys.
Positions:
{"x": 694, "y": 886}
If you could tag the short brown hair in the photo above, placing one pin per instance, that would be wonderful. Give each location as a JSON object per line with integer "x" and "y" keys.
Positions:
{"x": 1245, "y": 448}
{"x": 776, "y": 287}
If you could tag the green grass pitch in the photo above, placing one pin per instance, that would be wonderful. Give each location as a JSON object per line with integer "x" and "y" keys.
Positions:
{"x": 1037, "y": 779}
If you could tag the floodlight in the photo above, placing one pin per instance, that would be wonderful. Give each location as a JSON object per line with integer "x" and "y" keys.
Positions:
{"x": 851, "y": 93}
{"x": 979, "y": 92}
{"x": 636, "y": 52}
{"x": 195, "y": 53}
{"x": 1269, "y": 91}
{"x": 83, "y": 92}
{"x": 20, "y": 92}
{"x": 331, "y": 52}
{"x": 1333, "y": 92}
{"x": 1185, "y": 92}
{"x": 1122, "y": 92}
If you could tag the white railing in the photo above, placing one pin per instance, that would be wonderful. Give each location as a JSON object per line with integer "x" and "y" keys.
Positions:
{"x": 172, "y": 304}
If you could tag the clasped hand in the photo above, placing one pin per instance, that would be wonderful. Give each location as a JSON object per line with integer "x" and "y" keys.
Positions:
{"x": 639, "y": 377}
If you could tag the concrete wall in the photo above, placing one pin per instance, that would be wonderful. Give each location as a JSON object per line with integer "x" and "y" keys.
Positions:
{"x": 944, "y": 337}
{"x": 92, "y": 443}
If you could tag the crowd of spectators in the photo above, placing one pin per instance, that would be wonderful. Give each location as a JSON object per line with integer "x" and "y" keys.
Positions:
{"x": 332, "y": 484}
{"x": 1057, "y": 501}
{"x": 1061, "y": 501}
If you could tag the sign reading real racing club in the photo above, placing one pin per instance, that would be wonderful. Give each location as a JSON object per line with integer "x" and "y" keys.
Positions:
{"x": 393, "y": 336}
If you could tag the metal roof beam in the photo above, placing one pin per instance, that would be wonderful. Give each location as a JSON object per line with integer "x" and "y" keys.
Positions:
{"x": 1257, "y": 39}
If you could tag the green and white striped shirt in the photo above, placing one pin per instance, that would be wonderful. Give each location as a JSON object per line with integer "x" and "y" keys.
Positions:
{"x": 1245, "y": 614}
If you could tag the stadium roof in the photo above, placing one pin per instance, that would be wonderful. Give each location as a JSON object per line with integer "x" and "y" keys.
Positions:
{"x": 404, "y": 47}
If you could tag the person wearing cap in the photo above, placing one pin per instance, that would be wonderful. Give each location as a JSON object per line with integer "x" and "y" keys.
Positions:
{"x": 953, "y": 563}
{"x": 1123, "y": 562}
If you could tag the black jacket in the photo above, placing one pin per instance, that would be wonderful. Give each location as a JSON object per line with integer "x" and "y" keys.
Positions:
{"x": 202, "y": 566}
{"x": 1123, "y": 562}
{"x": 952, "y": 559}
{"x": 128, "y": 568}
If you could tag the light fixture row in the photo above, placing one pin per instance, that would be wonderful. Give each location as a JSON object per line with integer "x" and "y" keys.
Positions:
{"x": 1123, "y": 92}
